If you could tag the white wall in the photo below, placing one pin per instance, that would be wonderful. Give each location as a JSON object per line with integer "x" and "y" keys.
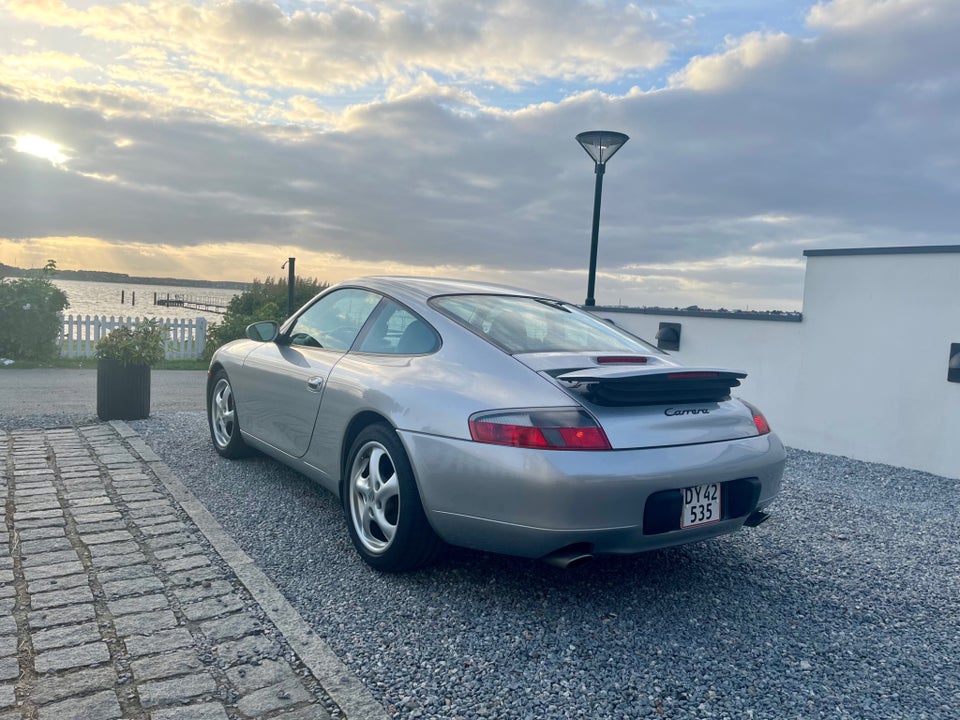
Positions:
{"x": 767, "y": 351}
{"x": 877, "y": 331}
{"x": 864, "y": 374}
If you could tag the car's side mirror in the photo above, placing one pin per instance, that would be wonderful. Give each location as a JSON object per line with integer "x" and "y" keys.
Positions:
{"x": 265, "y": 331}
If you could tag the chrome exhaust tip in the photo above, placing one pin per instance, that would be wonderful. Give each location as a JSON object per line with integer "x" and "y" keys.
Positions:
{"x": 569, "y": 557}
{"x": 756, "y": 518}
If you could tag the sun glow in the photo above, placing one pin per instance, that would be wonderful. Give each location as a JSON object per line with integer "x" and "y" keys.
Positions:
{"x": 41, "y": 147}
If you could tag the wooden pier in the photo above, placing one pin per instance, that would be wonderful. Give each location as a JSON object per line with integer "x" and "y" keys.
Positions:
{"x": 192, "y": 302}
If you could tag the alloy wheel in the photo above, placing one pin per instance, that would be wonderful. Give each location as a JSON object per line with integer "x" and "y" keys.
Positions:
{"x": 223, "y": 413}
{"x": 374, "y": 497}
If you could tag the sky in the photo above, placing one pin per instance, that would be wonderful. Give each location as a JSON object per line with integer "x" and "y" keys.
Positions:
{"x": 214, "y": 140}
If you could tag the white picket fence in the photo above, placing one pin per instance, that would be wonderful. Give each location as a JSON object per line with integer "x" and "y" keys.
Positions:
{"x": 79, "y": 335}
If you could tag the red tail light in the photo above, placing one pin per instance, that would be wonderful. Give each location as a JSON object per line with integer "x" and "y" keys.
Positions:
{"x": 763, "y": 427}
{"x": 622, "y": 359}
{"x": 546, "y": 429}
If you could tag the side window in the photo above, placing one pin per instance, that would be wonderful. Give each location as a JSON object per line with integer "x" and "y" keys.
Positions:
{"x": 397, "y": 331}
{"x": 334, "y": 321}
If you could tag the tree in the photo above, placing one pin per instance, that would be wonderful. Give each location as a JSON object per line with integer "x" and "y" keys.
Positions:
{"x": 263, "y": 300}
{"x": 30, "y": 319}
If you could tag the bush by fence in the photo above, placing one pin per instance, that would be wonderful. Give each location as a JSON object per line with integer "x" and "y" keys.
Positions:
{"x": 28, "y": 317}
{"x": 187, "y": 337}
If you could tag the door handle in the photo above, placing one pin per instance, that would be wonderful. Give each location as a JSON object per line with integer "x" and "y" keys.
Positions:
{"x": 315, "y": 384}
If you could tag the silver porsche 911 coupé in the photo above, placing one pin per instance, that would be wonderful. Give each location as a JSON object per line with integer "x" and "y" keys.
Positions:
{"x": 492, "y": 418}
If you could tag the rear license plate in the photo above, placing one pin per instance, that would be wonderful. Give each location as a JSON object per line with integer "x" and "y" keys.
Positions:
{"x": 701, "y": 505}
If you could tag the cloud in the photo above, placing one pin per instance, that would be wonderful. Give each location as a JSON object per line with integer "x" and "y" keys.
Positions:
{"x": 51, "y": 60}
{"x": 737, "y": 64}
{"x": 866, "y": 14}
{"x": 336, "y": 47}
{"x": 396, "y": 139}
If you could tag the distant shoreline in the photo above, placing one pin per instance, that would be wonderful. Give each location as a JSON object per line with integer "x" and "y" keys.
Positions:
{"x": 112, "y": 277}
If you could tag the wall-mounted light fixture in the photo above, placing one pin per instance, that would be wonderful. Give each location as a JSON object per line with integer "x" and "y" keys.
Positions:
{"x": 668, "y": 336}
{"x": 953, "y": 367}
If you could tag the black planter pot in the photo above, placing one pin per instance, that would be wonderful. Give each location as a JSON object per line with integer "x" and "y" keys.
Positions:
{"x": 123, "y": 391}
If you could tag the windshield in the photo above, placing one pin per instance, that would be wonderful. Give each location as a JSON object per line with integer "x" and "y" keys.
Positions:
{"x": 527, "y": 325}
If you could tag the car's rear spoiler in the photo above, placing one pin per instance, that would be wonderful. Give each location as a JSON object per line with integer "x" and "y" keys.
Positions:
{"x": 644, "y": 385}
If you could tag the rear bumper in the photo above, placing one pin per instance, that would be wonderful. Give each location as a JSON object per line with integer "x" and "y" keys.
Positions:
{"x": 533, "y": 502}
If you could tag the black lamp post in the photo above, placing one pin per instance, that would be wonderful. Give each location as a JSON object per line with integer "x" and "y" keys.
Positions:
{"x": 290, "y": 264}
{"x": 601, "y": 146}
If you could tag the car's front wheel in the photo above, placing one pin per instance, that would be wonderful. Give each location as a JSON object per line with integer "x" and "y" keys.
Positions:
{"x": 223, "y": 420}
{"x": 382, "y": 506}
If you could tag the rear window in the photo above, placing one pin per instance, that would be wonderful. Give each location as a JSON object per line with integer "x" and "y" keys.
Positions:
{"x": 526, "y": 325}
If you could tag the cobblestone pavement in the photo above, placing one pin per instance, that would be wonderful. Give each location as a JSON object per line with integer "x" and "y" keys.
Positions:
{"x": 120, "y": 597}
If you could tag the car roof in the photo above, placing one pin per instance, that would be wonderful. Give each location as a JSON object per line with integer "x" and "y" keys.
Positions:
{"x": 424, "y": 288}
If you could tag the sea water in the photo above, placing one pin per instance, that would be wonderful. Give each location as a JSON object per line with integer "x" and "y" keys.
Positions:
{"x": 136, "y": 300}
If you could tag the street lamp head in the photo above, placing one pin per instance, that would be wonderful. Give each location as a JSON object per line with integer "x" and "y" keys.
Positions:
{"x": 601, "y": 144}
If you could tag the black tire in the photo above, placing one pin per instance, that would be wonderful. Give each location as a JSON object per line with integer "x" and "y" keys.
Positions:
{"x": 223, "y": 419}
{"x": 381, "y": 503}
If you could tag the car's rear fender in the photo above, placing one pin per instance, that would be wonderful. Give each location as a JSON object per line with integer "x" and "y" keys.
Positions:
{"x": 430, "y": 394}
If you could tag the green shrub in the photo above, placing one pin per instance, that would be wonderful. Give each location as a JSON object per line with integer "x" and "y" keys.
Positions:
{"x": 144, "y": 345}
{"x": 30, "y": 321}
{"x": 266, "y": 300}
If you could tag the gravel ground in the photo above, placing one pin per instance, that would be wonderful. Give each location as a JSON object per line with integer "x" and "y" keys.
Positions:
{"x": 846, "y": 604}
